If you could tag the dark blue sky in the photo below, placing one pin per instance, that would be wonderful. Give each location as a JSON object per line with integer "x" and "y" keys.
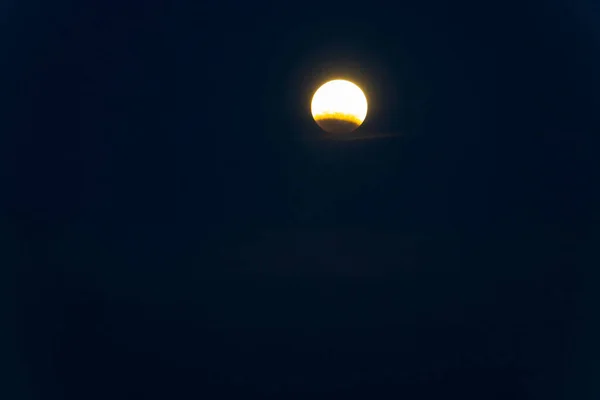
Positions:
{"x": 178, "y": 229}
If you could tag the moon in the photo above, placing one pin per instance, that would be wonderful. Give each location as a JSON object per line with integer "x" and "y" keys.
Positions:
{"x": 339, "y": 106}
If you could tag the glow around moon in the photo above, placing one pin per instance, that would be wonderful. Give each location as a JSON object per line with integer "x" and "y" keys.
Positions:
{"x": 339, "y": 106}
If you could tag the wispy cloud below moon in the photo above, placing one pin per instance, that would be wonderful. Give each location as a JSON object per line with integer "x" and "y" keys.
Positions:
{"x": 352, "y": 136}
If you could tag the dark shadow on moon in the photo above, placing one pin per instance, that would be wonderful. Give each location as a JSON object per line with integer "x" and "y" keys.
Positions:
{"x": 337, "y": 125}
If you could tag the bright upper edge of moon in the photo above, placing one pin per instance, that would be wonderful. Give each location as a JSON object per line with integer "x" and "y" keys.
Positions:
{"x": 339, "y": 101}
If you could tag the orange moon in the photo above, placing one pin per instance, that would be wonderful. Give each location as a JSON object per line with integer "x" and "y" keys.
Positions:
{"x": 339, "y": 106}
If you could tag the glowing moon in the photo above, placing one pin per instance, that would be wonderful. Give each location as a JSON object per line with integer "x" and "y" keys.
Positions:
{"x": 339, "y": 106}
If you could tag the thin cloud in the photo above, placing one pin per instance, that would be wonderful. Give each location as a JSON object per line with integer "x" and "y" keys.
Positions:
{"x": 353, "y": 136}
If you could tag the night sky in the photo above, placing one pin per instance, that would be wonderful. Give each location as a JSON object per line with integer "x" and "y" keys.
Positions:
{"x": 175, "y": 225}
